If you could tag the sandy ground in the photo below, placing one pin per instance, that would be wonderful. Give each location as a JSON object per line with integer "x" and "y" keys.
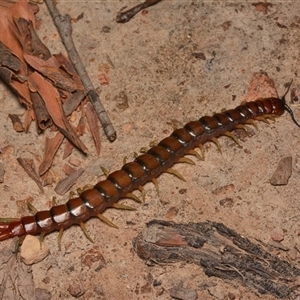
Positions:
{"x": 176, "y": 62}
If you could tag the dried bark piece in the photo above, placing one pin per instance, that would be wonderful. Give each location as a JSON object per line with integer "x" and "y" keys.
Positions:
{"x": 51, "y": 97}
{"x": 33, "y": 251}
{"x": 283, "y": 172}
{"x": 42, "y": 116}
{"x": 52, "y": 70}
{"x": 17, "y": 124}
{"x": 94, "y": 127}
{"x": 27, "y": 165}
{"x": 72, "y": 103}
{"x": 30, "y": 41}
{"x": 51, "y": 147}
{"x": 222, "y": 252}
{"x": 65, "y": 184}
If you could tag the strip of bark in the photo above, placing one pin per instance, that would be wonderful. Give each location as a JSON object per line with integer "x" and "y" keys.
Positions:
{"x": 17, "y": 124}
{"x": 221, "y": 252}
{"x": 42, "y": 116}
{"x": 63, "y": 25}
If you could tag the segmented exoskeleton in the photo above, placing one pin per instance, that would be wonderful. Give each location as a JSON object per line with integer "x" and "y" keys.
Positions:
{"x": 146, "y": 167}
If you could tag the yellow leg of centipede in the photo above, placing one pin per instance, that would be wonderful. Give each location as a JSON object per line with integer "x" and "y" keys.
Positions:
{"x": 215, "y": 140}
{"x": 133, "y": 197}
{"x": 122, "y": 206}
{"x": 176, "y": 173}
{"x": 186, "y": 160}
{"x": 263, "y": 119}
{"x": 233, "y": 136}
{"x": 195, "y": 153}
{"x": 83, "y": 228}
{"x": 155, "y": 182}
{"x": 59, "y": 237}
{"x": 252, "y": 122}
{"x": 106, "y": 221}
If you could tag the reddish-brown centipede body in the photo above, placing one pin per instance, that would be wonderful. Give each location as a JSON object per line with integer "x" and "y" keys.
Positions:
{"x": 144, "y": 168}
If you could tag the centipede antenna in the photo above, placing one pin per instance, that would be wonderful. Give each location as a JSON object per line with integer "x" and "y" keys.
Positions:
{"x": 289, "y": 110}
{"x": 286, "y": 107}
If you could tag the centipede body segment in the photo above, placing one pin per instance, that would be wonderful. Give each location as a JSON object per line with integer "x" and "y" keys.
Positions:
{"x": 146, "y": 167}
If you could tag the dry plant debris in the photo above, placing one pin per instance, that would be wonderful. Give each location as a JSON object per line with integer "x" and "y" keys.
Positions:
{"x": 47, "y": 85}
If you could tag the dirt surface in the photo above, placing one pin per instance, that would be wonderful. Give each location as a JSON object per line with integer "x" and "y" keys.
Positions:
{"x": 174, "y": 62}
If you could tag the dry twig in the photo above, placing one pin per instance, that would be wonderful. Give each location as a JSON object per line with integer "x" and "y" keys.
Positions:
{"x": 63, "y": 25}
{"x": 125, "y": 16}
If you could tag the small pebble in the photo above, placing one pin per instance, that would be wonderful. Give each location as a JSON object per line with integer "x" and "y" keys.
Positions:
{"x": 283, "y": 172}
{"x": 276, "y": 236}
{"x": 31, "y": 250}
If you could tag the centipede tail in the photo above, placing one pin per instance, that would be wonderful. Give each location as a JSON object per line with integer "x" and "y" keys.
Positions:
{"x": 146, "y": 167}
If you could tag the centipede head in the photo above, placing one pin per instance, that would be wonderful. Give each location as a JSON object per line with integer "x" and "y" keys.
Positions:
{"x": 286, "y": 107}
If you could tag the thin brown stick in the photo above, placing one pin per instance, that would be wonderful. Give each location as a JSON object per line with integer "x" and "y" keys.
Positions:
{"x": 63, "y": 25}
{"x": 125, "y": 16}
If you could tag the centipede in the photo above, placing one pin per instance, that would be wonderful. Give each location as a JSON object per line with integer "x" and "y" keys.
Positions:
{"x": 144, "y": 168}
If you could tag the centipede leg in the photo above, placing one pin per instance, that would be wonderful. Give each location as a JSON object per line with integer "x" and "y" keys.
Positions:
{"x": 106, "y": 221}
{"x": 241, "y": 126}
{"x": 233, "y": 136}
{"x": 195, "y": 153}
{"x": 105, "y": 171}
{"x": 122, "y": 206}
{"x": 41, "y": 239}
{"x": 83, "y": 228}
{"x": 59, "y": 237}
{"x": 215, "y": 140}
{"x": 133, "y": 197}
{"x": 186, "y": 160}
{"x": 19, "y": 243}
{"x": 31, "y": 208}
{"x": 155, "y": 182}
{"x": 142, "y": 190}
{"x": 252, "y": 122}
{"x": 263, "y": 119}
{"x": 176, "y": 173}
